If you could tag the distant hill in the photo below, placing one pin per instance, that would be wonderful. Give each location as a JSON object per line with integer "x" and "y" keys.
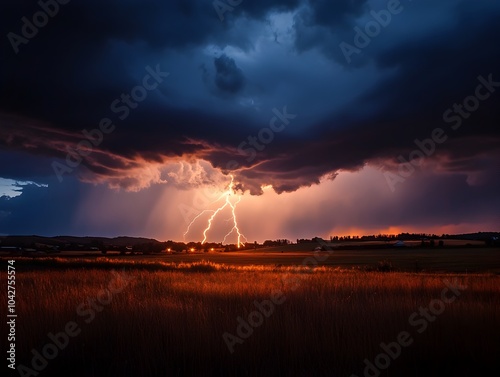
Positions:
{"x": 140, "y": 243}
{"x": 63, "y": 240}
{"x": 476, "y": 236}
{"x": 117, "y": 241}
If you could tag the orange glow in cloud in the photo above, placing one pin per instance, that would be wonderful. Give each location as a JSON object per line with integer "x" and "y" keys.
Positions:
{"x": 344, "y": 206}
{"x": 395, "y": 230}
{"x": 353, "y": 231}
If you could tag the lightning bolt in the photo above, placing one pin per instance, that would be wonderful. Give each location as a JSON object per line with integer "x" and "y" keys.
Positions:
{"x": 235, "y": 223}
{"x": 226, "y": 195}
{"x": 194, "y": 220}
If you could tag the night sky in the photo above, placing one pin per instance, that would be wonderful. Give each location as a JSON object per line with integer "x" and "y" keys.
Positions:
{"x": 333, "y": 117}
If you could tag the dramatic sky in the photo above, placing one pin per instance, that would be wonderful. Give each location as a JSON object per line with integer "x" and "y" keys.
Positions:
{"x": 333, "y": 117}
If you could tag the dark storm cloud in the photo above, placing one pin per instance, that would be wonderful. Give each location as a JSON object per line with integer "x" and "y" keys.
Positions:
{"x": 66, "y": 77}
{"x": 228, "y": 78}
{"x": 225, "y": 79}
{"x": 425, "y": 204}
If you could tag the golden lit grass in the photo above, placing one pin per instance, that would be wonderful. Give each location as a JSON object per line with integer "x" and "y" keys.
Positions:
{"x": 170, "y": 319}
{"x": 152, "y": 265}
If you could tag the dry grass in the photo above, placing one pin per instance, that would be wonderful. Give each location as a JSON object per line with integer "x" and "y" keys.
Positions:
{"x": 170, "y": 319}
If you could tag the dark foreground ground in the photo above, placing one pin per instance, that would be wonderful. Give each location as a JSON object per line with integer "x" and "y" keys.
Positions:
{"x": 248, "y": 314}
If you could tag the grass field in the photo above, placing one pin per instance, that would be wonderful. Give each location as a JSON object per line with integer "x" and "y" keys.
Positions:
{"x": 460, "y": 259}
{"x": 166, "y": 315}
